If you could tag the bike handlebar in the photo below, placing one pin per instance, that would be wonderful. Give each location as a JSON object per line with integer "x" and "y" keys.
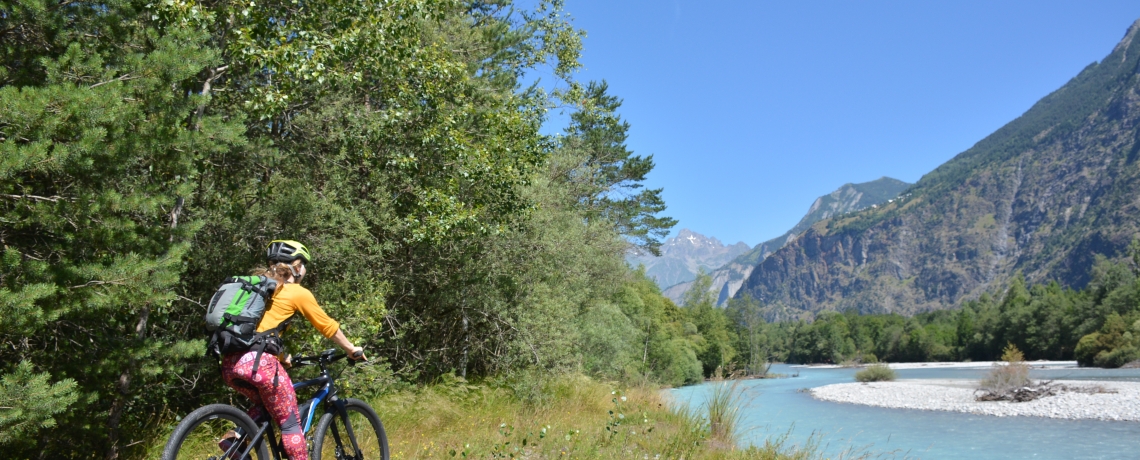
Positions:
{"x": 326, "y": 357}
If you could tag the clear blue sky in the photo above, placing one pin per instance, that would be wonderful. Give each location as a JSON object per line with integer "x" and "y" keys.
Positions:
{"x": 752, "y": 109}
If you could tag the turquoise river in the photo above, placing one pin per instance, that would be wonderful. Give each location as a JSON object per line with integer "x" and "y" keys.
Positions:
{"x": 780, "y": 407}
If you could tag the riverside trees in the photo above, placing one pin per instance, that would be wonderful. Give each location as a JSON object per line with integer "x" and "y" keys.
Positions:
{"x": 151, "y": 149}
{"x": 1097, "y": 326}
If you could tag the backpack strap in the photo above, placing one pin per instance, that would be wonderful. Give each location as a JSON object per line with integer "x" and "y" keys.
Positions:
{"x": 261, "y": 341}
{"x": 261, "y": 288}
{"x": 235, "y": 319}
{"x": 213, "y": 347}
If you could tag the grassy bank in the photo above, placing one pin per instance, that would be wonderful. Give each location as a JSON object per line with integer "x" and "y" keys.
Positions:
{"x": 568, "y": 416}
{"x": 561, "y": 417}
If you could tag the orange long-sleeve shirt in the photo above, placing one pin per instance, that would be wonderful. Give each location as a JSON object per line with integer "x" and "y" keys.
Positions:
{"x": 291, "y": 299}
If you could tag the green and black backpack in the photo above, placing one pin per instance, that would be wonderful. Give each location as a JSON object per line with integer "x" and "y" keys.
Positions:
{"x": 234, "y": 312}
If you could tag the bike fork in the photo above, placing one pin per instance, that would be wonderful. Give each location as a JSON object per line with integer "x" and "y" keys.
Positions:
{"x": 343, "y": 413}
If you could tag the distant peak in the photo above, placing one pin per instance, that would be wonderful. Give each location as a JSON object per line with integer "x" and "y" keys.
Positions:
{"x": 1124, "y": 44}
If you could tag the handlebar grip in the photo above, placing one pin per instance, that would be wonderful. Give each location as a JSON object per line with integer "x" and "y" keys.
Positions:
{"x": 357, "y": 354}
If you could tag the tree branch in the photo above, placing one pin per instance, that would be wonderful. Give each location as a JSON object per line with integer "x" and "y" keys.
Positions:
{"x": 215, "y": 73}
{"x": 99, "y": 283}
{"x": 53, "y": 199}
{"x": 124, "y": 77}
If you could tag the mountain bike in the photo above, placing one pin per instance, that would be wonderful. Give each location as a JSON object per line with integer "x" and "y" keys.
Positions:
{"x": 349, "y": 428}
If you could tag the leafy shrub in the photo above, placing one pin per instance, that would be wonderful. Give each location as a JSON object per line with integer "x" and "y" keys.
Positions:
{"x": 875, "y": 373}
{"x": 1118, "y": 357}
{"x": 1087, "y": 349}
{"x": 1011, "y": 354}
{"x": 1111, "y": 347}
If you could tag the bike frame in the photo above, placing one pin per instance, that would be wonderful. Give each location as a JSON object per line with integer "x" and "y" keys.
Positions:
{"x": 333, "y": 405}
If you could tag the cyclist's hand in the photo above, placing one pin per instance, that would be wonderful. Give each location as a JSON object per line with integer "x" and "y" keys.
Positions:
{"x": 358, "y": 354}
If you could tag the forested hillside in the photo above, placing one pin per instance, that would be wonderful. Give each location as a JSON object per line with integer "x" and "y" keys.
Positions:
{"x": 1097, "y": 326}
{"x": 1041, "y": 196}
{"x": 149, "y": 150}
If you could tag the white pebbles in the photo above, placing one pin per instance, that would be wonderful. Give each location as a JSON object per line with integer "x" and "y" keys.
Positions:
{"x": 958, "y": 395}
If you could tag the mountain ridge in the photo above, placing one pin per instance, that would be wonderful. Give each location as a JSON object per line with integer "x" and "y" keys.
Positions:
{"x": 684, "y": 255}
{"x": 849, "y": 197}
{"x": 1043, "y": 196}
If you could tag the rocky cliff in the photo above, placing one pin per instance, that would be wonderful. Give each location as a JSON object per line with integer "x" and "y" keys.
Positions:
{"x": 1043, "y": 195}
{"x": 726, "y": 280}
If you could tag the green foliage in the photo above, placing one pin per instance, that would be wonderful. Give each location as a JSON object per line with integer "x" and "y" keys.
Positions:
{"x": 30, "y": 401}
{"x": 100, "y": 149}
{"x": 607, "y": 178}
{"x": 753, "y": 344}
{"x": 1012, "y": 355}
{"x": 148, "y": 151}
{"x": 875, "y": 373}
{"x": 713, "y": 337}
{"x": 668, "y": 353}
{"x": 1114, "y": 345}
{"x": 1097, "y": 326}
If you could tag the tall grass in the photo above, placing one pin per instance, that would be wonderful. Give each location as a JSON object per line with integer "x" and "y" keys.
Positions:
{"x": 723, "y": 405}
{"x": 576, "y": 416}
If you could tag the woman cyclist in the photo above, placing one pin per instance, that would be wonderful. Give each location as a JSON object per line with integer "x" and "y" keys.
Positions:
{"x": 269, "y": 386}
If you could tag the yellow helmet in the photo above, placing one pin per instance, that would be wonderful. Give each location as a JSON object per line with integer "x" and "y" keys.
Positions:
{"x": 287, "y": 251}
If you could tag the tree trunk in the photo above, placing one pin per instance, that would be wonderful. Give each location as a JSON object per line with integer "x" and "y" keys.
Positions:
{"x": 123, "y": 387}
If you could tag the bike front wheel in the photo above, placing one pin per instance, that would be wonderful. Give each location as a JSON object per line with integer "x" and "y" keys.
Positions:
{"x": 201, "y": 434}
{"x": 332, "y": 441}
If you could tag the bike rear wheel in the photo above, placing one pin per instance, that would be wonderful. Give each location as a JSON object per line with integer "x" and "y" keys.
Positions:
{"x": 332, "y": 442}
{"x": 198, "y": 436}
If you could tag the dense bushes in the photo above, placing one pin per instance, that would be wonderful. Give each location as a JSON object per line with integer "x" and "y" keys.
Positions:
{"x": 875, "y": 373}
{"x": 1114, "y": 345}
{"x": 151, "y": 150}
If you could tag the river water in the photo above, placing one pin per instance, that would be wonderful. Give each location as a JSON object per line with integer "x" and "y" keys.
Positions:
{"x": 779, "y": 407}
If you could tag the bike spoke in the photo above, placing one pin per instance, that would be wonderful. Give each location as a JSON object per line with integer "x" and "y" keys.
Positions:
{"x": 214, "y": 439}
{"x": 216, "y": 431}
{"x": 337, "y": 445}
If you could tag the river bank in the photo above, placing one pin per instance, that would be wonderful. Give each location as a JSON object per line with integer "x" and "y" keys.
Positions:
{"x": 1083, "y": 400}
{"x": 555, "y": 416}
{"x": 1042, "y": 364}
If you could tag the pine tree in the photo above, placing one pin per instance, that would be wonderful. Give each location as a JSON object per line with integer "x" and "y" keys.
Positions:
{"x": 608, "y": 177}
{"x": 99, "y": 150}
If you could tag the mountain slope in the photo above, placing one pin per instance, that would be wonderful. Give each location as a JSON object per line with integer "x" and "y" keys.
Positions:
{"x": 1042, "y": 195}
{"x": 684, "y": 255}
{"x": 847, "y": 198}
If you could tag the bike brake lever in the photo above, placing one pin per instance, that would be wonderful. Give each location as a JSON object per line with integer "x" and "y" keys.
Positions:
{"x": 355, "y": 358}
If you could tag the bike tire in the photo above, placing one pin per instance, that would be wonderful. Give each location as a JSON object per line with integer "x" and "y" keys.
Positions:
{"x": 191, "y": 439}
{"x": 373, "y": 443}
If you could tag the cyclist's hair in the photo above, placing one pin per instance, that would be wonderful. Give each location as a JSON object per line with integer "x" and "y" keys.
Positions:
{"x": 279, "y": 271}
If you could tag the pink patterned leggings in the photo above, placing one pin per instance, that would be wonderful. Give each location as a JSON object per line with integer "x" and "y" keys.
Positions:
{"x": 280, "y": 400}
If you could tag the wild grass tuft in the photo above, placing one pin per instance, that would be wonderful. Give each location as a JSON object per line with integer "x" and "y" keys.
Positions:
{"x": 876, "y": 373}
{"x": 723, "y": 404}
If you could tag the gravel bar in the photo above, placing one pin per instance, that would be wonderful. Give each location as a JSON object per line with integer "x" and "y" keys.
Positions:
{"x": 958, "y": 396}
